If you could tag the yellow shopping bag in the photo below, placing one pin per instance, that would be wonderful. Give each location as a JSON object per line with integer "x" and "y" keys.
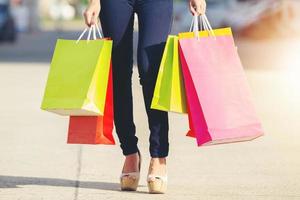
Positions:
{"x": 205, "y": 33}
{"x": 169, "y": 93}
{"x": 78, "y": 77}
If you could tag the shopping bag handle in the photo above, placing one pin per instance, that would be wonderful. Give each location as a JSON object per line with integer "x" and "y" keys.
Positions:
{"x": 199, "y": 23}
{"x": 92, "y": 30}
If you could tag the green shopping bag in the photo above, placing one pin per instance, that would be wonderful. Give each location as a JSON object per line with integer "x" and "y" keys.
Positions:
{"x": 78, "y": 77}
{"x": 169, "y": 92}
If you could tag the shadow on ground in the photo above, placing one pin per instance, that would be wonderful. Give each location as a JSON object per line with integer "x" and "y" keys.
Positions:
{"x": 16, "y": 181}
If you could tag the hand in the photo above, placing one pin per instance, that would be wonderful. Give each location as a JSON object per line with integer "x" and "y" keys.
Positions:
{"x": 197, "y": 7}
{"x": 91, "y": 13}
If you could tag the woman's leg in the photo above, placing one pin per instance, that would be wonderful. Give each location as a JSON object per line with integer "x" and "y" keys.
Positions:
{"x": 155, "y": 21}
{"x": 116, "y": 18}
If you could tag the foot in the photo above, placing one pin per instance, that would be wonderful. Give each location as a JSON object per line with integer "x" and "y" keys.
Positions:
{"x": 131, "y": 163}
{"x": 157, "y": 176}
{"x": 158, "y": 166}
{"x": 130, "y": 175}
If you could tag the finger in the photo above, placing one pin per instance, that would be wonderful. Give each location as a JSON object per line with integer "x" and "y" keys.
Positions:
{"x": 87, "y": 17}
{"x": 198, "y": 9}
{"x": 93, "y": 20}
{"x": 192, "y": 9}
{"x": 202, "y": 9}
{"x": 194, "y": 12}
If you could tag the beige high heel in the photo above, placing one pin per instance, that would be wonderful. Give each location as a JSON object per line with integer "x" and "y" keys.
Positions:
{"x": 157, "y": 184}
{"x": 130, "y": 181}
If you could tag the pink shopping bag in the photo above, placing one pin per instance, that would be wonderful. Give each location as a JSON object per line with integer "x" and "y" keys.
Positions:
{"x": 219, "y": 101}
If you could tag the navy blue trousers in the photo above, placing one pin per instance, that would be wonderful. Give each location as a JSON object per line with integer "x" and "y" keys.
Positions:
{"x": 155, "y": 20}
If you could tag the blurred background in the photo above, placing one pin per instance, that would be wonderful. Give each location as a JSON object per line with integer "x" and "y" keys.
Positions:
{"x": 33, "y": 150}
{"x": 23, "y": 22}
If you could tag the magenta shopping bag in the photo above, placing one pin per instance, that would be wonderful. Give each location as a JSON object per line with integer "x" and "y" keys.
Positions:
{"x": 219, "y": 100}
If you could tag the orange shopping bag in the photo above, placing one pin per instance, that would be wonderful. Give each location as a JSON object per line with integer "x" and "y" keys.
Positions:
{"x": 94, "y": 129}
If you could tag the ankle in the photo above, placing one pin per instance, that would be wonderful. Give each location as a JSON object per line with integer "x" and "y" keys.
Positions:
{"x": 157, "y": 166}
{"x": 131, "y": 163}
{"x": 159, "y": 161}
{"x": 132, "y": 156}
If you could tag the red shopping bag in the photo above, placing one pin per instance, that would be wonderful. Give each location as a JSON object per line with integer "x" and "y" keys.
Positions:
{"x": 94, "y": 129}
{"x": 220, "y": 107}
